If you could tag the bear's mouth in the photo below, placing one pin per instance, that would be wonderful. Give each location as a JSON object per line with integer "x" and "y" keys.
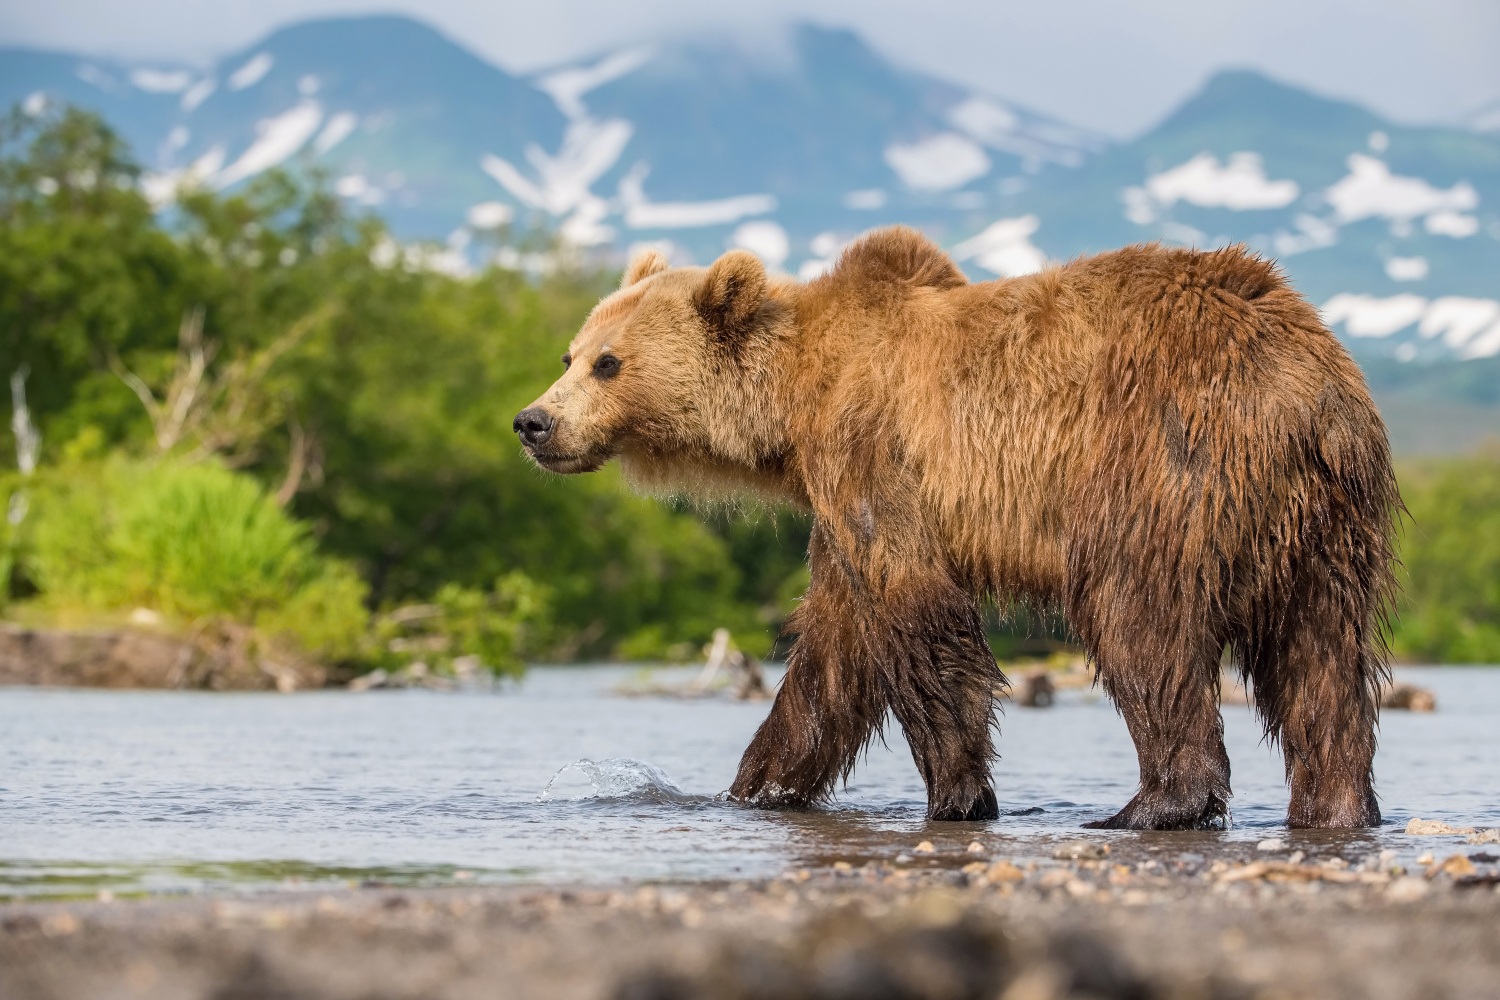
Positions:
{"x": 567, "y": 465}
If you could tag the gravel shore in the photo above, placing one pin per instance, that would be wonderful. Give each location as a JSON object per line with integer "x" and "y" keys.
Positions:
{"x": 946, "y": 923}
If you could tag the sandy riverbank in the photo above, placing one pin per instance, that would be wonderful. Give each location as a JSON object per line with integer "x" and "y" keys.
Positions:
{"x": 931, "y": 929}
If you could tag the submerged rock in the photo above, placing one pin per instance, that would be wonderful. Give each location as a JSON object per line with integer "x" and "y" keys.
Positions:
{"x": 1433, "y": 828}
{"x": 1408, "y": 697}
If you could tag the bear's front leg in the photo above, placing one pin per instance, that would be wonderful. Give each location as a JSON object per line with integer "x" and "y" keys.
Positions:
{"x": 912, "y": 642}
{"x": 830, "y": 703}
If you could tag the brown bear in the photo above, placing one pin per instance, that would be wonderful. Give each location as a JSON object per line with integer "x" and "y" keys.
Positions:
{"x": 1167, "y": 444}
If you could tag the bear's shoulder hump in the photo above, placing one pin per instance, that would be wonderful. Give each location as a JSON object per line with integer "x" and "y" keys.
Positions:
{"x": 898, "y": 254}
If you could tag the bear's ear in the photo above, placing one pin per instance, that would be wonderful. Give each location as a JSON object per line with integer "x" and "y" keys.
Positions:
{"x": 643, "y": 265}
{"x": 732, "y": 293}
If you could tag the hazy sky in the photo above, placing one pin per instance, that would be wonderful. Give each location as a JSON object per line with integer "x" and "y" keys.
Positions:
{"x": 1114, "y": 65}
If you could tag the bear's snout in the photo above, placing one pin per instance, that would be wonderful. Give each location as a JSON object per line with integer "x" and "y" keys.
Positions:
{"x": 534, "y": 424}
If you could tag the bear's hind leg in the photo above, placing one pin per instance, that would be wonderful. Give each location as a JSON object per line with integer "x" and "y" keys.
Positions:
{"x": 1170, "y": 701}
{"x": 1315, "y": 679}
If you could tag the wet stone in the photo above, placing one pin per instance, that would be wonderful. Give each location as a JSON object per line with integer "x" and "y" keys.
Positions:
{"x": 1081, "y": 850}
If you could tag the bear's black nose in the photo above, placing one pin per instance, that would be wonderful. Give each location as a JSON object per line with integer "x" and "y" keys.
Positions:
{"x": 534, "y": 425}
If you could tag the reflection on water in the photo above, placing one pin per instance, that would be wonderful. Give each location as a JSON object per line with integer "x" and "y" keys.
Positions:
{"x": 560, "y": 780}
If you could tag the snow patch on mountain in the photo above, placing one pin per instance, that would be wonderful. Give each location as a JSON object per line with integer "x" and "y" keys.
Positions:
{"x": 984, "y": 119}
{"x": 1469, "y": 326}
{"x": 1460, "y": 320}
{"x": 1240, "y": 185}
{"x": 590, "y": 148}
{"x": 765, "y": 239}
{"x": 198, "y": 93}
{"x": 939, "y": 162}
{"x": 161, "y": 188}
{"x": 357, "y": 187}
{"x": 252, "y": 72}
{"x": 585, "y": 227}
{"x": 278, "y": 138}
{"x": 339, "y": 128}
{"x": 489, "y": 215}
{"x": 999, "y": 127}
{"x": 1454, "y": 224}
{"x": 641, "y": 213}
{"x": 1005, "y": 248}
{"x": 1312, "y": 233}
{"x": 1406, "y": 268}
{"x": 158, "y": 81}
{"x": 1370, "y": 190}
{"x": 567, "y": 87}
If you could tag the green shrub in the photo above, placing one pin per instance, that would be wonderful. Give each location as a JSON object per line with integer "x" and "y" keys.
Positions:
{"x": 191, "y": 542}
{"x": 1450, "y": 609}
{"x": 497, "y": 627}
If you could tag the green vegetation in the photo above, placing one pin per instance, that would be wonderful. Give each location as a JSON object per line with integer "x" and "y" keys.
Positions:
{"x": 257, "y": 407}
{"x": 190, "y": 542}
{"x": 1450, "y": 611}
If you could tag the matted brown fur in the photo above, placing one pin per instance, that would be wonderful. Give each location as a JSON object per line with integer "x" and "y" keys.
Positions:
{"x": 1167, "y": 444}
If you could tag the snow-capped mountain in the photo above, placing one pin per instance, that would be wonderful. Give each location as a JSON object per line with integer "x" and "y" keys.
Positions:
{"x": 793, "y": 144}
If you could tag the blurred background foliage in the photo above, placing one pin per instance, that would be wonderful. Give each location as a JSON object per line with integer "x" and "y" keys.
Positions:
{"x": 1450, "y": 548}
{"x": 256, "y": 407}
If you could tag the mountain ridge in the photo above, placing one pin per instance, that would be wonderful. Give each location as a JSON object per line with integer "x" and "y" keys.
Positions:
{"x": 695, "y": 144}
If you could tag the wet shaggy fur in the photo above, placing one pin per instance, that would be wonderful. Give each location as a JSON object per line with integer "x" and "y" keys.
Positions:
{"x": 1167, "y": 444}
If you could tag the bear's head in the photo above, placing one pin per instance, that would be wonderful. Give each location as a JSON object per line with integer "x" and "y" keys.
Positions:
{"x": 656, "y": 374}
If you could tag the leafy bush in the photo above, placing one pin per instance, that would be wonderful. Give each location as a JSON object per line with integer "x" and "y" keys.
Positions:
{"x": 1450, "y": 611}
{"x": 190, "y": 542}
{"x": 494, "y": 628}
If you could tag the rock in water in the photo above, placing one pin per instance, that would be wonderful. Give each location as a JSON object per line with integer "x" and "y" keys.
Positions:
{"x": 1408, "y": 697}
{"x": 1037, "y": 690}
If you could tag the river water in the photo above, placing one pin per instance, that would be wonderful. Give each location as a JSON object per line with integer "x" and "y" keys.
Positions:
{"x": 560, "y": 778}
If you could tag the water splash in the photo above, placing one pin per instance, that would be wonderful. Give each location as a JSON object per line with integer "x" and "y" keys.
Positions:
{"x": 617, "y": 778}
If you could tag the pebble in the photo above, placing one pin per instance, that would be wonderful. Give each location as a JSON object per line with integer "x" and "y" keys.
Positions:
{"x": 1457, "y": 866}
{"x": 1296, "y": 857}
{"x": 1272, "y": 844}
{"x": 903, "y": 858}
{"x": 1406, "y": 889}
{"x": 1003, "y": 871}
{"x": 925, "y": 847}
{"x": 1055, "y": 878}
{"x": 1490, "y": 836}
{"x": 1085, "y": 850}
{"x": 975, "y": 847}
{"x": 1079, "y": 889}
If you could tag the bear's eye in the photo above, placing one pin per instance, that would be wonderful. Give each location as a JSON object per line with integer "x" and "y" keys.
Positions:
{"x": 608, "y": 366}
{"x": 567, "y": 360}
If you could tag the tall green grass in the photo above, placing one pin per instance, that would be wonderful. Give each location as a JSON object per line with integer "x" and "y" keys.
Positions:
{"x": 191, "y": 542}
{"x": 1450, "y": 606}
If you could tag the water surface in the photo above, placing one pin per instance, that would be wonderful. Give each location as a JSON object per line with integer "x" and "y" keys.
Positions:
{"x": 185, "y": 791}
